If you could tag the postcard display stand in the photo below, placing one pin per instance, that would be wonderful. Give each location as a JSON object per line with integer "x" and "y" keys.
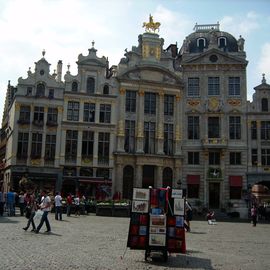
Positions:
{"x": 157, "y": 221}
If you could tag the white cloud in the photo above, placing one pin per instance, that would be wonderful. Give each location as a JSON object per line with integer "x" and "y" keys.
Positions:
{"x": 264, "y": 61}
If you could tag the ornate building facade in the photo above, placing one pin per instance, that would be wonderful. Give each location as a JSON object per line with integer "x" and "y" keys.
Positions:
{"x": 162, "y": 117}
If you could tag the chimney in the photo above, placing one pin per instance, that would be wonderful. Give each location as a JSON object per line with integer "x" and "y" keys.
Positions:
{"x": 59, "y": 71}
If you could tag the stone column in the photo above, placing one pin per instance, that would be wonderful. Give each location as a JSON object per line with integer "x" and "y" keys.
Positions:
{"x": 259, "y": 164}
{"x": 140, "y": 123}
{"x": 95, "y": 150}
{"x": 159, "y": 182}
{"x": 178, "y": 126}
{"x": 118, "y": 181}
{"x": 138, "y": 176}
{"x": 79, "y": 147}
{"x": 160, "y": 124}
{"x": 121, "y": 121}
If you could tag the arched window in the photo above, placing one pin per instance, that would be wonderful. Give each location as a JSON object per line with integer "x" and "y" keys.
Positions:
{"x": 74, "y": 87}
{"x": 40, "y": 90}
{"x": 222, "y": 42}
{"x": 105, "y": 89}
{"x": 128, "y": 176}
{"x": 201, "y": 44}
{"x": 167, "y": 177}
{"x": 90, "y": 87}
{"x": 264, "y": 105}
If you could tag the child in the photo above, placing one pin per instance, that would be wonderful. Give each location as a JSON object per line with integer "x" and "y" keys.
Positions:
{"x": 211, "y": 218}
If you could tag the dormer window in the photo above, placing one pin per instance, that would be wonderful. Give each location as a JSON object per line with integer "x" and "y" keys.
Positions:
{"x": 40, "y": 90}
{"x": 264, "y": 105}
{"x": 29, "y": 91}
{"x": 201, "y": 43}
{"x": 105, "y": 89}
{"x": 90, "y": 86}
{"x": 74, "y": 86}
{"x": 51, "y": 93}
{"x": 222, "y": 42}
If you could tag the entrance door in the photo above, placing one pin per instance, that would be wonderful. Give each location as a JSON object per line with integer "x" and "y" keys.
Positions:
{"x": 214, "y": 195}
{"x": 148, "y": 176}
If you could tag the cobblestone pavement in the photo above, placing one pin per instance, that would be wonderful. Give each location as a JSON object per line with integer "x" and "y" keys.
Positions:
{"x": 93, "y": 242}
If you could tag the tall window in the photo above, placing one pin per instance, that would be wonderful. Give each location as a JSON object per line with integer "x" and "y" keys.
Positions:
{"x": 265, "y": 130}
{"x": 24, "y": 114}
{"x": 89, "y": 112}
{"x": 106, "y": 89}
{"x": 254, "y": 130}
{"x": 130, "y": 101}
{"x": 52, "y": 115}
{"x": 222, "y": 42}
{"x": 73, "y": 110}
{"x": 168, "y": 139}
{"x": 168, "y": 105}
{"x": 150, "y": 103}
{"x": 264, "y": 105}
{"x": 71, "y": 145}
{"x": 103, "y": 148}
{"x": 51, "y": 94}
{"x": 213, "y": 127}
{"x": 74, "y": 86}
{"x": 201, "y": 44}
{"x": 129, "y": 136}
{"x": 40, "y": 90}
{"x": 90, "y": 85}
{"x": 193, "y": 128}
{"x": 235, "y": 127}
{"x": 194, "y": 158}
{"x": 234, "y": 86}
{"x": 105, "y": 113}
{"x": 22, "y": 148}
{"x": 265, "y": 157}
{"x": 38, "y": 115}
{"x": 88, "y": 144}
{"x": 193, "y": 87}
{"x": 214, "y": 158}
{"x": 254, "y": 157}
{"x": 149, "y": 137}
{"x": 213, "y": 86}
{"x": 36, "y": 145}
{"x": 235, "y": 158}
{"x": 50, "y": 147}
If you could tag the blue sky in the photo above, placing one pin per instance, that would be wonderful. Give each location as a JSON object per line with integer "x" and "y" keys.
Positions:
{"x": 66, "y": 28}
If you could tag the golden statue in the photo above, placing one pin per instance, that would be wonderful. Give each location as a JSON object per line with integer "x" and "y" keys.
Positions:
{"x": 151, "y": 25}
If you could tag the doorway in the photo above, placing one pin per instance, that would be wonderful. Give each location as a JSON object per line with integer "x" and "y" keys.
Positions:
{"x": 214, "y": 195}
{"x": 148, "y": 178}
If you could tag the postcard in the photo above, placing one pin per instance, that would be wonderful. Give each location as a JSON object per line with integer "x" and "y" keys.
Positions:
{"x": 179, "y": 207}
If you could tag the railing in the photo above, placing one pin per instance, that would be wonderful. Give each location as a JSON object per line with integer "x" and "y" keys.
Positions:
{"x": 215, "y": 142}
{"x": 206, "y": 27}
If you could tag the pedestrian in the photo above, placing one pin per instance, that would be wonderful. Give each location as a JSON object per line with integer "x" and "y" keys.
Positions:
{"x": 211, "y": 218}
{"x": 58, "y": 206}
{"x": 69, "y": 204}
{"x": 10, "y": 203}
{"x": 1, "y": 203}
{"x": 77, "y": 205}
{"x": 45, "y": 206}
{"x": 253, "y": 213}
{"x": 21, "y": 203}
{"x": 32, "y": 205}
{"x": 188, "y": 215}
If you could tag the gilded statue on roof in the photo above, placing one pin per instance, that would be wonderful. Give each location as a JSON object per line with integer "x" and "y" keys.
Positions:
{"x": 151, "y": 26}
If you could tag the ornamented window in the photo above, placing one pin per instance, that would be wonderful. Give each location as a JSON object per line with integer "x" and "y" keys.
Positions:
{"x": 88, "y": 145}
{"x": 29, "y": 91}
{"x": 24, "y": 117}
{"x": 149, "y": 137}
{"x": 150, "y": 103}
{"x": 74, "y": 86}
{"x": 73, "y": 110}
{"x": 265, "y": 130}
{"x": 129, "y": 136}
{"x": 264, "y": 105}
{"x": 235, "y": 127}
{"x": 214, "y": 158}
{"x": 193, "y": 128}
{"x": 40, "y": 90}
{"x": 36, "y": 145}
{"x": 130, "y": 101}
{"x": 213, "y": 86}
{"x": 234, "y": 86}
{"x": 193, "y": 87}
{"x": 201, "y": 44}
{"x": 71, "y": 145}
{"x": 90, "y": 85}
{"x": 38, "y": 115}
{"x": 106, "y": 89}
{"x": 51, "y": 94}
{"x": 105, "y": 113}
{"x": 194, "y": 158}
{"x": 235, "y": 158}
{"x": 89, "y": 112}
{"x": 22, "y": 147}
{"x": 222, "y": 42}
{"x": 50, "y": 147}
{"x": 103, "y": 148}
{"x": 213, "y": 127}
{"x": 168, "y": 139}
{"x": 168, "y": 105}
{"x": 254, "y": 130}
{"x": 254, "y": 157}
{"x": 52, "y": 116}
{"x": 265, "y": 157}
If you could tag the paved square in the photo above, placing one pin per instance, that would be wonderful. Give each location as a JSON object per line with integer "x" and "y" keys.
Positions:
{"x": 93, "y": 242}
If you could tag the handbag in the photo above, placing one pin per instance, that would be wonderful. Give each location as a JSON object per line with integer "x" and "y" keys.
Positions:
{"x": 27, "y": 212}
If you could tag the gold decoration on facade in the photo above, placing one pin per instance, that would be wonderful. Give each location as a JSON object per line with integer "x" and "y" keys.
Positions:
{"x": 234, "y": 102}
{"x": 122, "y": 91}
{"x": 178, "y": 97}
{"x": 140, "y": 130}
{"x": 193, "y": 102}
{"x": 151, "y": 26}
{"x": 258, "y": 124}
{"x": 121, "y": 128}
{"x": 60, "y": 109}
{"x": 17, "y": 107}
{"x": 160, "y": 131}
{"x": 141, "y": 92}
{"x": 161, "y": 93}
{"x": 213, "y": 103}
{"x": 145, "y": 51}
{"x": 177, "y": 133}
{"x": 158, "y": 53}
{"x": 36, "y": 162}
{"x": 86, "y": 160}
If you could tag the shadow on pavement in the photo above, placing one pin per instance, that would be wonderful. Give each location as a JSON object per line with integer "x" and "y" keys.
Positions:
{"x": 7, "y": 220}
{"x": 197, "y": 232}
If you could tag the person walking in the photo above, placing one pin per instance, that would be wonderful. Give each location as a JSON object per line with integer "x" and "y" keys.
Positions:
{"x": 77, "y": 205}
{"x": 45, "y": 206}
{"x": 21, "y": 203}
{"x": 58, "y": 206}
{"x": 1, "y": 203}
{"x": 253, "y": 213}
{"x": 10, "y": 203}
{"x": 31, "y": 203}
{"x": 69, "y": 204}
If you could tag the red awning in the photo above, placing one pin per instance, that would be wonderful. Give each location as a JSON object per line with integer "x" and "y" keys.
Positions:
{"x": 193, "y": 179}
{"x": 236, "y": 181}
